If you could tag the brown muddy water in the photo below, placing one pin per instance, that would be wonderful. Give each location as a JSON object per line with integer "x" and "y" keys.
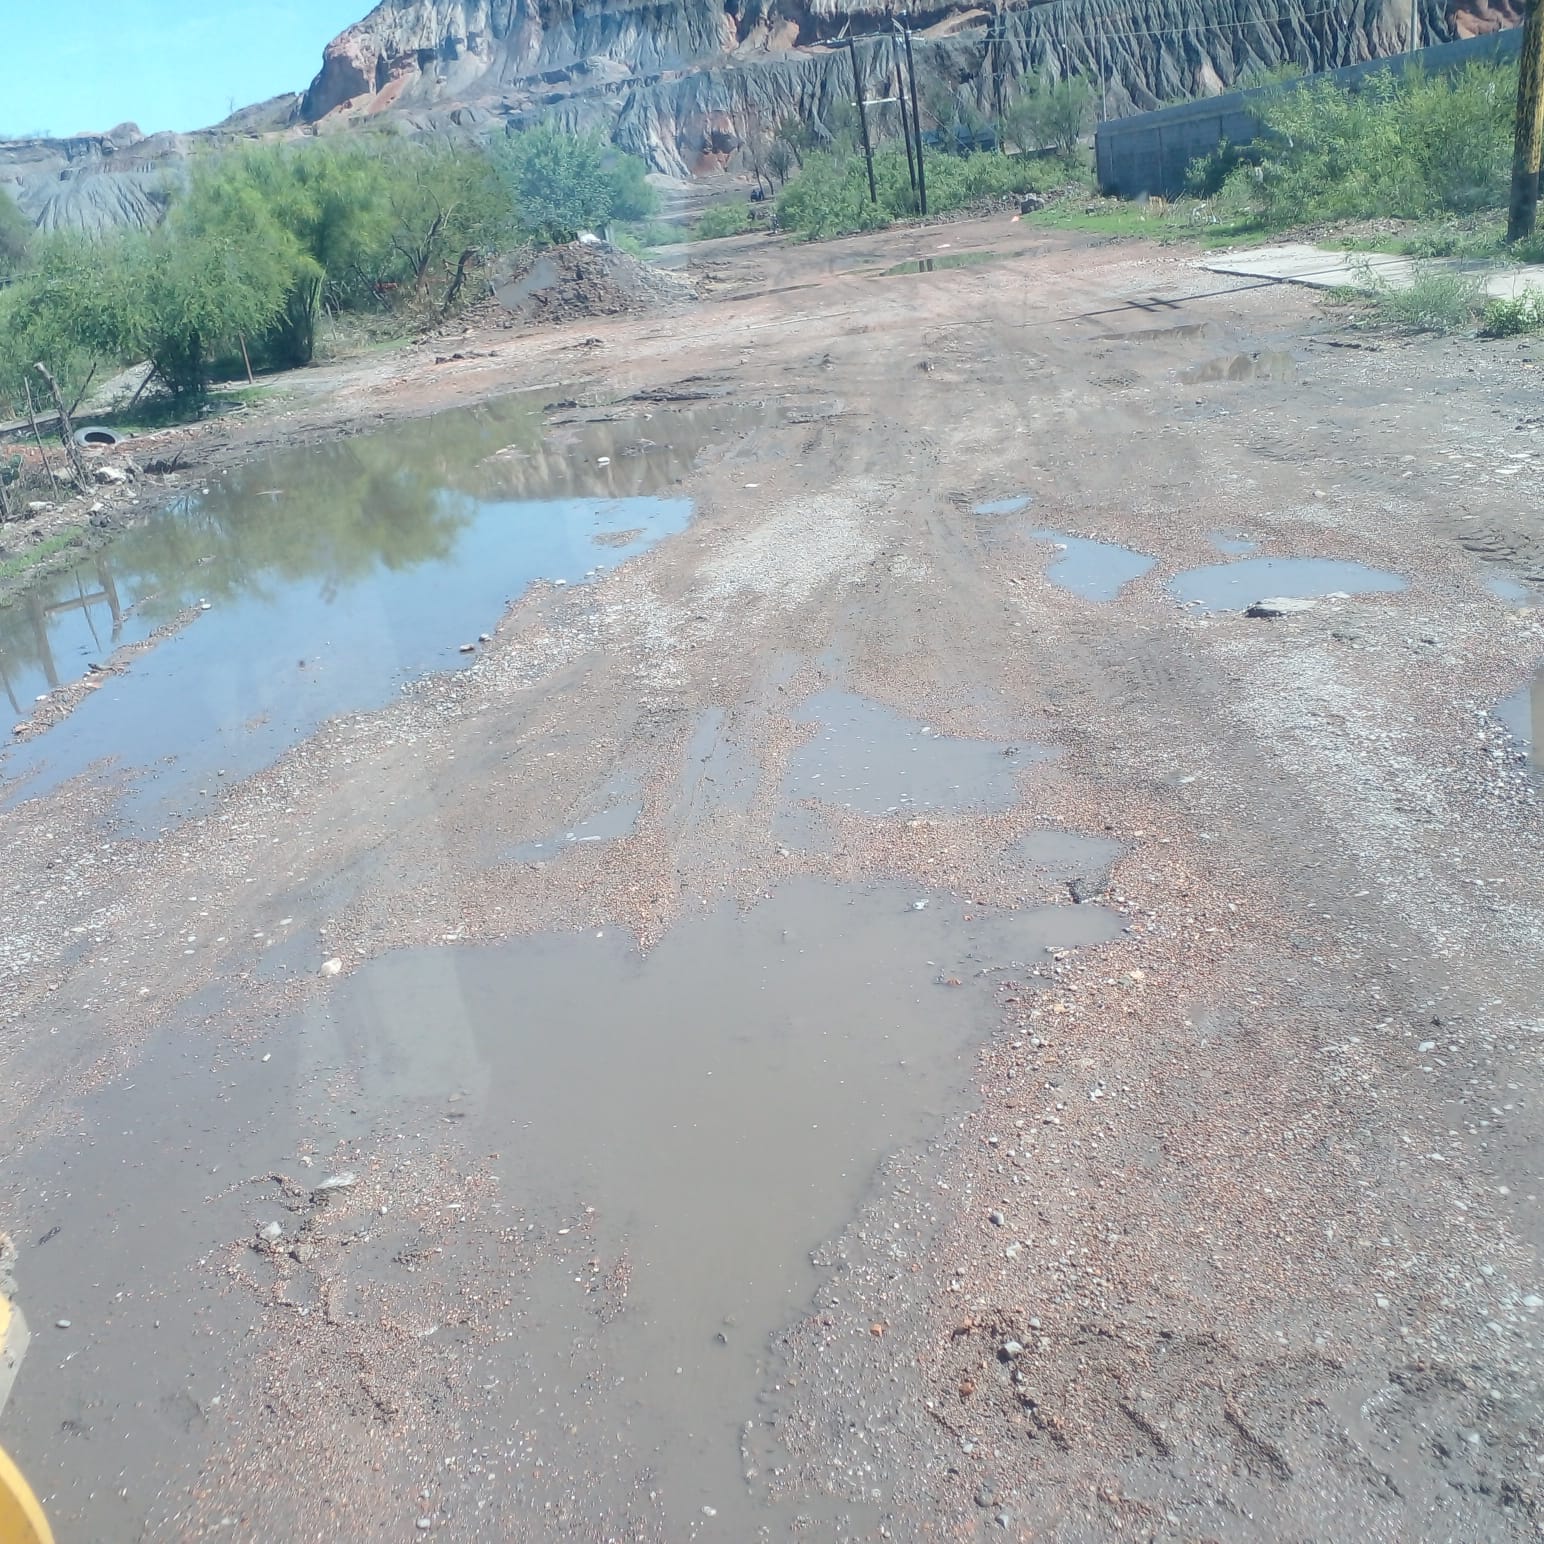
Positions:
{"x": 673, "y": 1135}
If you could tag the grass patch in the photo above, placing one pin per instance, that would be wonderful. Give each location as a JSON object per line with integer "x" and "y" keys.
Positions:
{"x": 14, "y": 567}
{"x": 1436, "y": 300}
{"x": 1153, "y": 220}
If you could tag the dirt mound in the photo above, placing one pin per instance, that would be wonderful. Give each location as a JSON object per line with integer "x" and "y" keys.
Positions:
{"x": 584, "y": 279}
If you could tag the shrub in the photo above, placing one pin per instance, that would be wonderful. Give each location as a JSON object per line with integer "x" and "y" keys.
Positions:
{"x": 1510, "y": 317}
{"x": 726, "y": 219}
{"x": 1404, "y": 144}
{"x": 562, "y": 184}
{"x": 1055, "y": 116}
{"x": 1436, "y": 300}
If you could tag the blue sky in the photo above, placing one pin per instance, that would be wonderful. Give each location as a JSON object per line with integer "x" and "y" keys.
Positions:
{"x": 75, "y": 66}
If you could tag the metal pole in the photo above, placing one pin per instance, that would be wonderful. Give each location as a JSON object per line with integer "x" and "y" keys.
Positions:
{"x": 916, "y": 118}
{"x": 868, "y": 148}
{"x": 1522, "y": 214}
{"x": 1415, "y": 25}
{"x": 997, "y": 69}
{"x": 1104, "y": 77}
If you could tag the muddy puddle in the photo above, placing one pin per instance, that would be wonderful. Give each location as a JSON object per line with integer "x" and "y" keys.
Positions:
{"x": 866, "y": 758}
{"x": 1523, "y": 714}
{"x": 618, "y": 806}
{"x": 331, "y": 576}
{"x": 941, "y": 261}
{"x": 1094, "y": 570}
{"x": 1233, "y": 586}
{"x": 1232, "y": 544}
{"x": 1263, "y": 365}
{"x": 1513, "y": 591}
{"x": 673, "y": 1135}
{"x": 1012, "y": 505}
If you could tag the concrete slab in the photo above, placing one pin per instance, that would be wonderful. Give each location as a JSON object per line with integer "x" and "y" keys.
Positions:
{"x": 1319, "y": 268}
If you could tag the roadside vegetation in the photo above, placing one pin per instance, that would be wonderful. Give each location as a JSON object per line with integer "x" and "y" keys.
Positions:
{"x": 270, "y": 243}
{"x": 1425, "y": 159}
{"x": 824, "y": 179}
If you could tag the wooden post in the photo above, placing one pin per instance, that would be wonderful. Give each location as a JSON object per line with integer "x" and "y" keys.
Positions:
{"x": 246, "y": 360}
{"x": 900, "y": 97}
{"x": 868, "y": 147}
{"x": 916, "y": 120}
{"x": 5, "y": 503}
{"x": 1522, "y": 214}
{"x": 32, "y": 418}
{"x": 72, "y": 454}
{"x": 997, "y": 68}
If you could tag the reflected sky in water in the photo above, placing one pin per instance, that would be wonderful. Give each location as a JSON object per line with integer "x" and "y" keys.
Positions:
{"x": 332, "y": 575}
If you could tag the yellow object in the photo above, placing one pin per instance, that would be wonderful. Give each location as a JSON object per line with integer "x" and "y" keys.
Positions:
{"x": 21, "y": 1518}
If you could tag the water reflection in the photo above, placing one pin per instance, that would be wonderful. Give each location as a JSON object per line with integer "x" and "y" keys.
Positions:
{"x": 331, "y": 575}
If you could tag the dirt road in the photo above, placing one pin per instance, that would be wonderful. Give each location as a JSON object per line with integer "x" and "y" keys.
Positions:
{"x": 1080, "y": 1081}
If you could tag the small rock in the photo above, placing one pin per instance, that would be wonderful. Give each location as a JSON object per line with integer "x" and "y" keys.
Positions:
{"x": 485, "y": 637}
{"x": 271, "y": 1231}
{"x": 303, "y": 1252}
{"x": 61, "y": 1324}
{"x": 1011, "y": 1349}
{"x": 339, "y": 1181}
{"x": 919, "y": 905}
{"x": 110, "y": 474}
{"x": 332, "y": 967}
{"x": 985, "y": 1495}
{"x": 1279, "y": 606}
{"x": 996, "y": 1219}
{"x": 468, "y": 648}
{"x": 425, "y": 1524}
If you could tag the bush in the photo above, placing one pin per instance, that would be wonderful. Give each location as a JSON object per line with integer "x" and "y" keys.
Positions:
{"x": 1405, "y": 145}
{"x": 1513, "y": 316}
{"x": 562, "y": 184}
{"x": 1055, "y": 116}
{"x": 830, "y": 196}
{"x": 727, "y": 219}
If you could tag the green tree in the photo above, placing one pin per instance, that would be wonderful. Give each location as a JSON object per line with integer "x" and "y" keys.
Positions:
{"x": 1055, "y": 116}
{"x": 447, "y": 203}
{"x": 558, "y": 181}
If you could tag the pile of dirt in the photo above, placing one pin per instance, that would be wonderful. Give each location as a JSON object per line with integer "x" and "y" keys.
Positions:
{"x": 585, "y": 279}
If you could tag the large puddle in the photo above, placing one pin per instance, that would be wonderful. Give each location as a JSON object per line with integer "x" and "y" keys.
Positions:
{"x": 1233, "y": 586}
{"x": 1096, "y": 570}
{"x": 673, "y": 1135}
{"x": 331, "y": 576}
{"x": 942, "y": 261}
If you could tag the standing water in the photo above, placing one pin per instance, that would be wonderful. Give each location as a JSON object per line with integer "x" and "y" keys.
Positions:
{"x": 332, "y": 575}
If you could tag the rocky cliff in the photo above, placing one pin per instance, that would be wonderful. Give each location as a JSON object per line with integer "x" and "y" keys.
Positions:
{"x": 688, "y": 84}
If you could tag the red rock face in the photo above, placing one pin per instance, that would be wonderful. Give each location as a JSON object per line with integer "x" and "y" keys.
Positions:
{"x": 1471, "y": 18}
{"x": 348, "y": 72}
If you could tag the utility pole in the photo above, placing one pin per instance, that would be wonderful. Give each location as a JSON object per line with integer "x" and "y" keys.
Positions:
{"x": 1415, "y": 25}
{"x": 868, "y": 147}
{"x": 1529, "y": 141}
{"x": 900, "y": 97}
{"x": 996, "y": 57}
{"x": 916, "y": 119}
{"x": 1104, "y": 77}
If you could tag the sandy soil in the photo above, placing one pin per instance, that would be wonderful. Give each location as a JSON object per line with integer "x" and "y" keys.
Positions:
{"x": 1237, "y": 1237}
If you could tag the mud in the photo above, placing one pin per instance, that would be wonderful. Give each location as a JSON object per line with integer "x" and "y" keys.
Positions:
{"x": 1221, "y": 1222}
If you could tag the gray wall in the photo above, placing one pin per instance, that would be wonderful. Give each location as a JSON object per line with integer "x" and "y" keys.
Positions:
{"x": 1151, "y": 152}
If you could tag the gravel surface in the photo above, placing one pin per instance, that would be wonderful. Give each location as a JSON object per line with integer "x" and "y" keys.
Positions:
{"x": 1233, "y": 1231}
